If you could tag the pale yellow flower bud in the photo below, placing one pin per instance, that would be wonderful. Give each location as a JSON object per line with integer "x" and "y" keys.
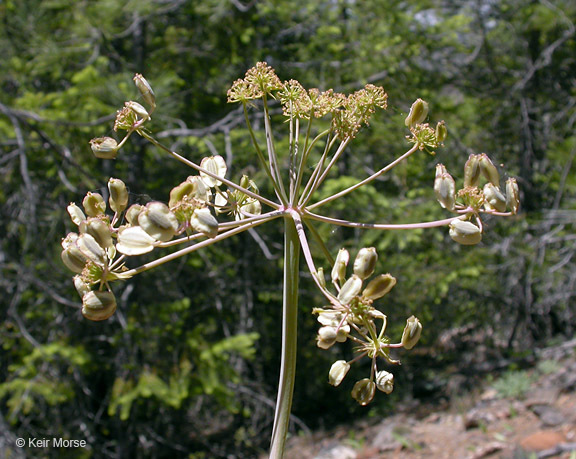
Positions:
{"x": 326, "y": 337}
{"x": 132, "y": 214}
{"x": 138, "y": 109}
{"x": 330, "y": 318}
{"x": 319, "y": 275}
{"x": 250, "y": 207}
{"x": 91, "y": 249}
{"x": 71, "y": 256}
{"x": 180, "y": 192}
{"x": 81, "y": 287}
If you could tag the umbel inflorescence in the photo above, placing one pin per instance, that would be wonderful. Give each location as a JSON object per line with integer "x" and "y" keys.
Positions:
{"x": 207, "y": 207}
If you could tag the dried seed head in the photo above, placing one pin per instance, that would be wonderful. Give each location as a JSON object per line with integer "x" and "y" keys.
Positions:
{"x": 99, "y": 229}
{"x": 145, "y": 90}
{"x": 379, "y": 286}
{"x": 98, "y": 305}
{"x": 217, "y": 166}
{"x": 94, "y": 204}
{"x": 295, "y": 100}
{"x": 158, "y": 221}
{"x": 489, "y": 170}
{"x": 465, "y": 233}
{"x": 76, "y": 214}
{"x": 339, "y": 269}
{"x": 338, "y": 371}
{"x": 441, "y": 131}
{"x": 263, "y": 77}
{"x": 133, "y": 240}
{"x": 472, "y": 171}
{"x": 512, "y": 195}
{"x": 445, "y": 188}
{"x": 411, "y": 333}
{"x": 493, "y": 198}
{"x": 118, "y": 195}
{"x": 365, "y": 262}
{"x": 125, "y": 119}
{"x": 385, "y": 381}
{"x": 350, "y": 289}
{"x": 363, "y": 391}
{"x": 418, "y": 113}
{"x": 204, "y": 222}
{"x": 104, "y": 147}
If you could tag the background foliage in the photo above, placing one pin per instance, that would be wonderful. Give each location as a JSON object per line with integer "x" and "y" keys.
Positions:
{"x": 189, "y": 363}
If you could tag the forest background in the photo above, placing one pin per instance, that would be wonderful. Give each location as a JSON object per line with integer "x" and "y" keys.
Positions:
{"x": 189, "y": 364}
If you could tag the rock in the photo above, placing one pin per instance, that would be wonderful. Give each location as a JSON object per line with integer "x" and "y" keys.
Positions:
{"x": 539, "y": 441}
{"x": 542, "y": 396}
{"x": 549, "y": 415}
{"x": 337, "y": 452}
{"x": 488, "y": 449}
{"x": 384, "y": 440}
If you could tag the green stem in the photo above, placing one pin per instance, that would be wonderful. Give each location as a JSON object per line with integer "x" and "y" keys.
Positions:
{"x": 289, "y": 339}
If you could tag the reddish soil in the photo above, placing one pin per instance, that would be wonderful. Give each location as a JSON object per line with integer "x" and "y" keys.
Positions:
{"x": 538, "y": 423}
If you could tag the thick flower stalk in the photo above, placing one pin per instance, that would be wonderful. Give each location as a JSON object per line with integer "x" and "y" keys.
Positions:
{"x": 207, "y": 207}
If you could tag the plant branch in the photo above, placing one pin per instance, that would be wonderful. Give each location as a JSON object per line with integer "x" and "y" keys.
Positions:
{"x": 273, "y": 158}
{"x": 193, "y": 248}
{"x": 259, "y": 153}
{"x": 224, "y": 180}
{"x": 382, "y": 226}
{"x": 368, "y": 179}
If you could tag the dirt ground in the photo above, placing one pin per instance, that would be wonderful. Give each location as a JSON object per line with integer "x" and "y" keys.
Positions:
{"x": 537, "y": 422}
